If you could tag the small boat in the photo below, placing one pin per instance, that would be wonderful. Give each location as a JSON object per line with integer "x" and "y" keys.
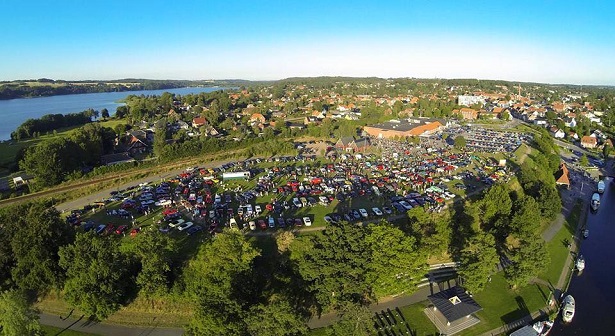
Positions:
{"x": 580, "y": 263}
{"x": 568, "y": 307}
{"x": 540, "y": 328}
{"x": 601, "y": 186}
{"x": 595, "y": 204}
{"x": 586, "y": 233}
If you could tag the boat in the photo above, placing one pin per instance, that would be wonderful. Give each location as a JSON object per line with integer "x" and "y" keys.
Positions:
{"x": 568, "y": 309}
{"x": 595, "y": 204}
{"x": 601, "y": 186}
{"x": 580, "y": 263}
{"x": 540, "y": 328}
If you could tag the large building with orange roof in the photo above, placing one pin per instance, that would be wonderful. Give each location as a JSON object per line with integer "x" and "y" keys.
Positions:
{"x": 404, "y": 128}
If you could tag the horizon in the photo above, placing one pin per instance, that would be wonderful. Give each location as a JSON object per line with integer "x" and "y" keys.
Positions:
{"x": 521, "y": 41}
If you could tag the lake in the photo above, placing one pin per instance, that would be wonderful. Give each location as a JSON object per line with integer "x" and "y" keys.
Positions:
{"x": 15, "y": 111}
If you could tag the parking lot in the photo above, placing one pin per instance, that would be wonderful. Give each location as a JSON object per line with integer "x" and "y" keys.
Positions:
{"x": 290, "y": 192}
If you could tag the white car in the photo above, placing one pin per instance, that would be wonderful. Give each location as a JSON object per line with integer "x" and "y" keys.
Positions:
{"x": 363, "y": 213}
{"x": 307, "y": 221}
{"x": 176, "y": 222}
{"x": 252, "y": 225}
{"x": 184, "y": 226}
{"x": 212, "y": 214}
{"x": 377, "y": 211}
{"x": 257, "y": 209}
{"x": 163, "y": 203}
{"x": 297, "y": 203}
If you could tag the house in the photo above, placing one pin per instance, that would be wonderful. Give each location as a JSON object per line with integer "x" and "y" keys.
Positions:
{"x": 257, "y": 117}
{"x": 452, "y": 310}
{"x": 182, "y": 125}
{"x": 350, "y": 144}
{"x": 198, "y": 122}
{"x": 570, "y": 122}
{"x": 589, "y": 142}
{"x": 573, "y": 135}
{"x": 562, "y": 177}
{"x": 468, "y": 113}
{"x": 136, "y": 142}
{"x": 557, "y": 132}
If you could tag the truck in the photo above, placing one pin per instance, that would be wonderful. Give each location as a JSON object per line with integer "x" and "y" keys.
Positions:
{"x": 244, "y": 175}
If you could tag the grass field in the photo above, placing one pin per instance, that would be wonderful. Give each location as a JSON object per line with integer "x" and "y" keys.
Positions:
{"x": 504, "y": 305}
{"x": 557, "y": 247}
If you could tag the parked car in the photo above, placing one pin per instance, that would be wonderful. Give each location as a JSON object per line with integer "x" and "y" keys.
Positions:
{"x": 377, "y": 212}
{"x": 307, "y": 221}
{"x": 184, "y": 226}
{"x": 121, "y": 229}
{"x": 363, "y": 213}
{"x": 194, "y": 230}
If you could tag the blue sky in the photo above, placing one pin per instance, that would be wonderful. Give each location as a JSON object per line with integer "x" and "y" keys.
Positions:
{"x": 543, "y": 41}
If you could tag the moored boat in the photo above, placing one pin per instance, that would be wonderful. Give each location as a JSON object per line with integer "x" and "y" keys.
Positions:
{"x": 540, "y": 328}
{"x": 580, "y": 264}
{"x": 595, "y": 203}
{"x": 601, "y": 186}
{"x": 568, "y": 308}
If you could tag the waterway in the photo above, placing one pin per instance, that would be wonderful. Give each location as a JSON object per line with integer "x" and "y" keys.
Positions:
{"x": 15, "y": 111}
{"x": 594, "y": 288}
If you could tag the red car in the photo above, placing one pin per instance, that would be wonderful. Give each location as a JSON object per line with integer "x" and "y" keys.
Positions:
{"x": 167, "y": 212}
{"x": 269, "y": 207}
{"x": 134, "y": 232}
{"x": 121, "y": 229}
{"x": 109, "y": 228}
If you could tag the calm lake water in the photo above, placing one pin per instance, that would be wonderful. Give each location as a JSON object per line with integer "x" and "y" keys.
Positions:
{"x": 15, "y": 111}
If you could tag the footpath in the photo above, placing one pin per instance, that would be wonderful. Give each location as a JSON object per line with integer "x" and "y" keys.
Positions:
{"x": 82, "y": 324}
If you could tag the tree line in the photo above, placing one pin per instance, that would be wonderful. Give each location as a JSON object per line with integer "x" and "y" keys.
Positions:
{"x": 50, "y": 122}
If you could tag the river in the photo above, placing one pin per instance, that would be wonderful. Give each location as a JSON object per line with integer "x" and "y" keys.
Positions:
{"x": 15, "y": 111}
{"x": 594, "y": 288}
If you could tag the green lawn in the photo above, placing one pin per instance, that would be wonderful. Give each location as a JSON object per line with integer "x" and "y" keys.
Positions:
{"x": 558, "y": 251}
{"x": 503, "y": 305}
{"x": 418, "y": 321}
{"x": 53, "y": 331}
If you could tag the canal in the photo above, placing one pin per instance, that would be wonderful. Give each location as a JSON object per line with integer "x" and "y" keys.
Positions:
{"x": 594, "y": 288}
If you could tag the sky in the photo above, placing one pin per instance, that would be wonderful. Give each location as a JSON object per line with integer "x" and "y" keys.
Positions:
{"x": 538, "y": 41}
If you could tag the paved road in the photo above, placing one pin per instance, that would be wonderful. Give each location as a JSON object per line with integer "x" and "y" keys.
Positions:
{"x": 84, "y": 325}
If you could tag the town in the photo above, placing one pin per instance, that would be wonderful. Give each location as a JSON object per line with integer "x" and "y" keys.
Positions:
{"x": 438, "y": 189}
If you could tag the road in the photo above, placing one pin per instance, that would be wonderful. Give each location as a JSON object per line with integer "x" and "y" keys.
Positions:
{"x": 84, "y": 325}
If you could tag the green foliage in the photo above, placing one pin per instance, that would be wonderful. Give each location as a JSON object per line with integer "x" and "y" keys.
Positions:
{"x": 432, "y": 231}
{"x": 529, "y": 259}
{"x": 97, "y": 275}
{"x": 276, "y": 318}
{"x": 48, "y": 123}
{"x": 397, "y": 264}
{"x": 155, "y": 251}
{"x": 460, "y": 142}
{"x": 478, "y": 261}
{"x": 212, "y": 281}
{"x": 584, "y": 161}
{"x": 31, "y": 237}
{"x": 17, "y": 318}
{"x": 354, "y": 320}
{"x": 335, "y": 268}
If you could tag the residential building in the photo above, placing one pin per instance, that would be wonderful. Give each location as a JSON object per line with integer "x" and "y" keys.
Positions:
{"x": 589, "y": 142}
{"x": 467, "y": 100}
{"x": 350, "y": 144}
{"x": 198, "y": 122}
{"x": 468, "y": 113}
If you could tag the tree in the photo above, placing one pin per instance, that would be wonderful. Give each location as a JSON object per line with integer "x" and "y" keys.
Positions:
{"x": 354, "y": 320}
{"x": 583, "y": 161}
{"x": 211, "y": 281}
{"x": 460, "y": 142}
{"x": 104, "y": 113}
{"x": 335, "y": 269}
{"x": 38, "y": 233}
{"x": 529, "y": 258}
{"x": 505, "y": 115}
{"x": 276, "y": 318}
{"x": 49, "y": 161}
{"x": 17, "y": 318}
{"x": 97, "y": 274}
{"x": 396, "y": 262}
{"x": 478, "y": 261}
{"x": 160, "y": 140}
{"x": 606, "y": 151}
{"x": 155, "y": 251}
